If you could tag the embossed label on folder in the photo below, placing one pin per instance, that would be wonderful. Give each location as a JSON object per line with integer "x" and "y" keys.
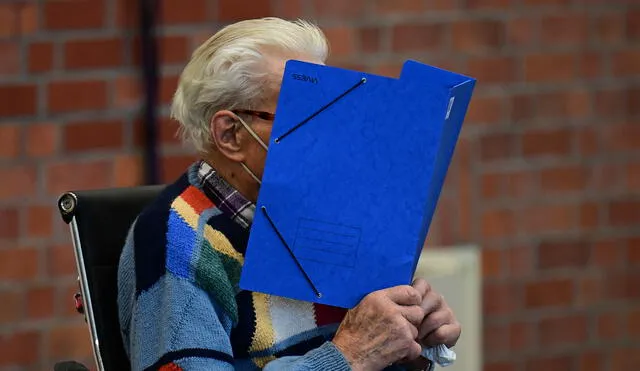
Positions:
{"x": 327, "y": 242}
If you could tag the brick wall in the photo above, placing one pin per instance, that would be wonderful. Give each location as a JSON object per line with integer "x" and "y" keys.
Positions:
{"x": 546, "y": 177}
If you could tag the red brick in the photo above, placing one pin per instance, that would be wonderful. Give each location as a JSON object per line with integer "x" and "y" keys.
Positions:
{"x": 19, "y": 264}
{"x": 621, "y": 285}
{"x": 40, "y": 57}
{"x": 235, "y": 10}
{"x": 589, "y": 215}
{"x": 22, "y": 184}
{"x": 183, "y": 11}
{"x": 565, "y": 28}
{"x": 609, "y": 326}
{"x": 542, "y": 218}
{"x": 42, "y": 139}
{"x": 607, "y": 175}
{"x": 486, "y": 110}
{"x": 173, "y": 166}
{"x": 497, "y": 146}
{"x": 489, "y": 4}
{"x": 496, "y": 339}
{"x": 9, "y": 223}
{"x": 61, "y": 261}
{"x": 291, "y": 9}
{"x": 592, "y": 360}
{"x": 606, "y": 253}
{"x": 499, "y": 366}
{"x": 12, "y": 306}
{"x": 624, "y": 212}
{"x": 369, "y": 38}
{"x": 564, "y": 179}
{"x": 64, "y": 306}
{"x": 633, "y": 322}
{"x": 39, "y": 221}
{"x": 521, "y": 261}
{"x": 550, "y": 67}
{"x": 492, "y": 69}
{"x": 93, "y": 135}
{"x": 477, "y": 36}
{"x": 498, "y": 223}
{"x": 549, "y": 293}
{"x": 573, "y": 104}
{"x": 608, "y": 28}
{"x": 66, "y": 176}
{"x": 610, "y": 103}
{"x": 128, "y": 171}
{"x": 127, "y": 92}
{"x": 341, "y": 39}
{"x": 11, "y": 58}
{"x": 127, "y": 13}
{"x": 633, "y": 250}
{"x": 492, "y": 263}
{"x": 626, "y": 358}
{"x": 523, "y": 107}
{"x": 633, "y": 175}
{"x": 67, "y": 96}
{"x": 546, "y": 142}
{"x": 74, "y": 14}
{"x": 16, "y": 100}
{"x": 172, "y": 49}
{"x": 40, "y": 302}
{"x": 563, "y": 253}
{"x": 28, "y": 18}
{"x": 520, "y": 31}
{"x": 417, "y": 37}
{"x": 399, "y": 6}
{"x": 555, "y": 363}
{"x": 588, "y": 142}
{"x": 168, "y": 86}
{"x": 521, "y": 335}
{"x": 167, "y": 132}
{"x": 19, "y": 348}
{"x": 9, "y": 22}
{"x": 546, "y": 2}
{"x": 621, "y": 137}
{"x": 591, "y": 291}
{"x": 69, "y": 341}
{"x": 339, "y": 8}
{"x": 626, "y": 63}
{"x": 93, "y": 53}
{"x": 501, "y": 298}
{"x": 633, "y": 96}
{"x": 388, "y": 69}
{"x": 591, "y": 65}
{"x": 633, "y": 24}
{"x": 10, "y": 140}
{"x": 571, "y": 329}
{"x": 492, "y": 185}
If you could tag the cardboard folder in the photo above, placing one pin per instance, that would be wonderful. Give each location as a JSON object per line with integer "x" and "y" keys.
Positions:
{"x": 353, "y": 173}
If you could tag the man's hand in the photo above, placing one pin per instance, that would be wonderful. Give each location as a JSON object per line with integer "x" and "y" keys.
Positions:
{"x": 382, "y": 329}
{"x": 439, "y": 325}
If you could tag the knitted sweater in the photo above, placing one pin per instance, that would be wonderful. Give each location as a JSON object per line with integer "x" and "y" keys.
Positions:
{"x": 180, "y": 305}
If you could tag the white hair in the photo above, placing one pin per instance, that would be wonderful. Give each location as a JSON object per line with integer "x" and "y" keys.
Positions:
{"x": 229, "y": 70}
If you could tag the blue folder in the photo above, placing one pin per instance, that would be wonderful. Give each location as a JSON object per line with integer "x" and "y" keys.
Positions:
{"x": 353, "y": 173}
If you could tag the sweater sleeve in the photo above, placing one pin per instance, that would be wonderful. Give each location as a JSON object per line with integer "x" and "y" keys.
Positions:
{"x": 326, "y": 357}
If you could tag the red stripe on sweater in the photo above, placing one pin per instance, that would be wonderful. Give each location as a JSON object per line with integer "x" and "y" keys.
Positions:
{"x": 197, "y": 199}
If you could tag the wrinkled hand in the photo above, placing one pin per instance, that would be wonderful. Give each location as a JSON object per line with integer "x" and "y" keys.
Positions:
{"x": 382, "y": 329}
{"x": 439, "y": 325}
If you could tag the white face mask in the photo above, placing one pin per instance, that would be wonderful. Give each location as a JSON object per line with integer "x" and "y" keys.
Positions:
{"x": 260, "y": 141}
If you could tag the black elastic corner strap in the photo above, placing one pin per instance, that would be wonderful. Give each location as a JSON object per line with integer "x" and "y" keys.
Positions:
{"x": 188, "y": 353}
{"x": 148, "y": 16}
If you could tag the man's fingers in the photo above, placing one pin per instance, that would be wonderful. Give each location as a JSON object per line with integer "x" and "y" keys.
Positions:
{"x": 404, "y": 295}
{"x": 447, "y": 335}
{"x": 422, "y": 286}
{"x": 432, "y": 322}
{"x": 431, "y": 302}
{"x": 414, "y": 314}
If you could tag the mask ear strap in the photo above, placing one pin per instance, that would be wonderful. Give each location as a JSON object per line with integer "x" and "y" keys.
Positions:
{"x": 252, "y": 133}
{"x": 253, "y": 175}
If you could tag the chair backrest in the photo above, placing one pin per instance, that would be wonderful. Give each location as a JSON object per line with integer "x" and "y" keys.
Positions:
{"x": 99, "y": 221}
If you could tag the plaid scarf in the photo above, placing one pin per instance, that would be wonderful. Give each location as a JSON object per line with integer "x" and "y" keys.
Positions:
{"x": 224, "y": 196}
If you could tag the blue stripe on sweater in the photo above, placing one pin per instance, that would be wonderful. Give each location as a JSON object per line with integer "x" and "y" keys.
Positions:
{"x": 181, "y": 243}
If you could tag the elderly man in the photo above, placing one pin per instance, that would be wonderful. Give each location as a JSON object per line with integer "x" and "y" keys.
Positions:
{"x": 180, "y": 305}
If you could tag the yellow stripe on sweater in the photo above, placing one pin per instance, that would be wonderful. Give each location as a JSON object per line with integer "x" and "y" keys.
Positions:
{"x": 264, "y": 336}
{"x": 218, "y": 240}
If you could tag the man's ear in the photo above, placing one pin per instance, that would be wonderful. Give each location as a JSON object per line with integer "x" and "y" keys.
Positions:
{"x": 224, "y": 132}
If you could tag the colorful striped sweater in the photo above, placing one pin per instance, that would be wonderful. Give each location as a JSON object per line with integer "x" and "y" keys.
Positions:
{"x": 180, "y": 304}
